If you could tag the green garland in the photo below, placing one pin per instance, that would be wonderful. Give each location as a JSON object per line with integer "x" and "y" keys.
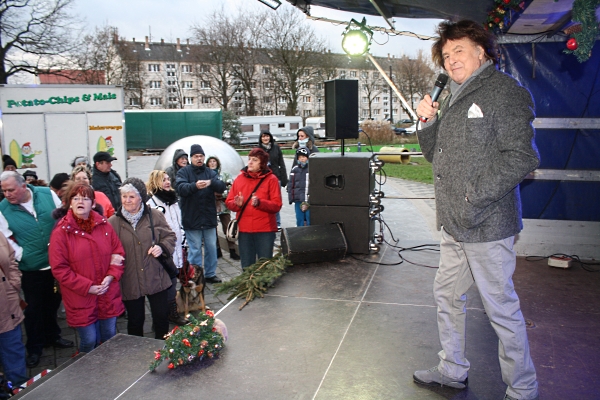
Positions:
{"x": 499, "y": 18}
{"x": 584, "y": 11}
{"x": 256, "y": 279}
{"x": 195, "y": 341}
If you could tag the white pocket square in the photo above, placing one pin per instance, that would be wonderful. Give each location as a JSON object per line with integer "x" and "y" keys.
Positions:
{"x": 475, "y": 112}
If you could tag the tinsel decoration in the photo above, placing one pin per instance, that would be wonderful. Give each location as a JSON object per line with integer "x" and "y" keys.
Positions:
{"x": 256, "y": 279}
{"x": 502, "y": 15}
{"x": 584, "y": 12}
{"x": 185, "y": 344}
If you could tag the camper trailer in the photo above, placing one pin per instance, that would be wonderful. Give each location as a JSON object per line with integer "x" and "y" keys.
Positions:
{"x": 282, "y": 128}
{"x": 318, "y": 125}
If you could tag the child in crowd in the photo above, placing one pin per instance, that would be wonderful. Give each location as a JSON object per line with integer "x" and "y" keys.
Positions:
{"x": 298, "y": 187}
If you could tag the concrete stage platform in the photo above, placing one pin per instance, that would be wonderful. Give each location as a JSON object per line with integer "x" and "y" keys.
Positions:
{"x": 356, "y": 329}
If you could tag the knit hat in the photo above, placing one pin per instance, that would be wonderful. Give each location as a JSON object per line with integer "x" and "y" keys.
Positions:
{"x": 8, "y": 160}
{"x": 58, "y": 180}
{"x": 139, "y": 186}
{"x": 196, "y": 149}
{"x": 302, "y": 151}
{"x": 30, "y": 173}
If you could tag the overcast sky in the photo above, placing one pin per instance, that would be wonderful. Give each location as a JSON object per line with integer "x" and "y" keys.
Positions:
{"x": 171, "y": 19}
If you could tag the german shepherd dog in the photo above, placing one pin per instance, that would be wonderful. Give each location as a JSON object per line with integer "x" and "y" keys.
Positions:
{"x": 190, "y": 296}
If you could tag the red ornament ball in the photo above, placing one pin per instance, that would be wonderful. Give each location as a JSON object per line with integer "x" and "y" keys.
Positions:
{"x": 572, "y": 44}
{"x": 171, "y": 366}
{"x": 506, "y": 1}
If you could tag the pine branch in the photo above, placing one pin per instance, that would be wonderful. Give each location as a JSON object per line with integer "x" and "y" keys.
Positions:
{"x": 256, "y": 279}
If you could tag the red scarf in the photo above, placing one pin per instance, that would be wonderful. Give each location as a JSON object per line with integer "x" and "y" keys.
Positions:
{"x": 86, "y": 225}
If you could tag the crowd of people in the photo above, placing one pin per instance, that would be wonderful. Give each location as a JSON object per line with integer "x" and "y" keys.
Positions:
{"x": 98, "y": 244}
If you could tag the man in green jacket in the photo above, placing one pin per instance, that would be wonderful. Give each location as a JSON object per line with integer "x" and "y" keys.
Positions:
{"x": 26, "y": 220}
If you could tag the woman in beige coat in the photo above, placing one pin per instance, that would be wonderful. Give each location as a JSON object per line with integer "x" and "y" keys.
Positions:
{"x": 12, "y": 350}
{"x": 144, "y": 275}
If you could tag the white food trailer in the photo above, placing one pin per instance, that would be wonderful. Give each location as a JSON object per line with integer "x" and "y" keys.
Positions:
{"x": 44, "y": 127}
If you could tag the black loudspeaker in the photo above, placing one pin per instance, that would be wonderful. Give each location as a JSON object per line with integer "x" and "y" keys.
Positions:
{"x": 355, "y": 221}
{"x": 315, "y": 243}
{"x": 336, "y": 180}
{"x": 341, "y": 109}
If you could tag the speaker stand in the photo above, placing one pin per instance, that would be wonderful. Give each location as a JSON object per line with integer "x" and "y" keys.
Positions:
{"x": 343, "y": 147}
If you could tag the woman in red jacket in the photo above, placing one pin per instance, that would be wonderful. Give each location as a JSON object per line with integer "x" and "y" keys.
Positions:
{"x": 86, "y": 257}
{"x": 257, "y": 224}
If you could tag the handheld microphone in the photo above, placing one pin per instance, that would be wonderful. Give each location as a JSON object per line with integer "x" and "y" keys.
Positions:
{"x": 439, "y": 85}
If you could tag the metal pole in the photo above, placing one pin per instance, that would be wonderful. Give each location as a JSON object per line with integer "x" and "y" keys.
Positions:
{"x": 391, "y": 100}
{"x": 387, "y": 79}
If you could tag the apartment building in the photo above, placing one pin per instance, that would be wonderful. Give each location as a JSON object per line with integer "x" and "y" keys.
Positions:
{"x": 162, "y": 75}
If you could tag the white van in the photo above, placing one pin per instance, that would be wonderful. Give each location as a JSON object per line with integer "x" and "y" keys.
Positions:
{"x": 318, "y": 125}
{"x": 282, "y": 128}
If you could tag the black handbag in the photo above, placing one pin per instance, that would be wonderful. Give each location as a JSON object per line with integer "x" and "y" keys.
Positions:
{"x": 232, "y": 227}
{"x": 165, "y": 259}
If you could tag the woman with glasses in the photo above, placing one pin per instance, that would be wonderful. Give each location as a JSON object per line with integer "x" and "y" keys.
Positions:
{"x": 86, "y": 258}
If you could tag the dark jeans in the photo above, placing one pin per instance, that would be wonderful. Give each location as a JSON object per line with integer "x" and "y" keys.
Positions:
{"x": 255, "y": 245}
{"x": 12, "y": 355}
{"x": 159, "y": 308}
{"x": 42, "y": 305}
{"x": 172, "y": 291}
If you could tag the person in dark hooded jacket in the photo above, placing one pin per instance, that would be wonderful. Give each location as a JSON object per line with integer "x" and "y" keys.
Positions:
{"x": 276, "y": 162}
{"x": 305, "y": 137}
{"x": 180, "y": 160}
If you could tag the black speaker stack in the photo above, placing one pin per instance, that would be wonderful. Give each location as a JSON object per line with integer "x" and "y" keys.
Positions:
{"x": 342, "y": 191}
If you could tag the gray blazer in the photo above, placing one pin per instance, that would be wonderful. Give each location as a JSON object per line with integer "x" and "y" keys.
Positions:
{"x": 478, "y": 163}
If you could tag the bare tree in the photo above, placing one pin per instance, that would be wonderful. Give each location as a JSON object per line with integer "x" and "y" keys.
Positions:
{"x": 214, "y": 56}
{"x": 98, "y": 56}
{"x": 36, "y": 36}
{"x": 134, "y": 78}
{"x": 414, "y": 76}
{"x": 371, "y": 87}
{"x": 291, "y": 47}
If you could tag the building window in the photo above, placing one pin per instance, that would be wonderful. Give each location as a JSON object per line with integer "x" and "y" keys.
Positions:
{"x": 171, "y": 83}
{"x": 365, "y": 99}
{"x": 385, "y": 103}
{"x": 253, "y": 85}
{"x": 170, "y": 66}
{"x": 352, "y": 74}
{"x": 266, "y": 70}
{"x": 134, "y": 101}
{"x": 307, "y": 113}
{"x": 267, "y": 85}
{"x": 364, "y": 74}
{"x": 306, "y": 99}
{"x": 365, "y": 113}
{"x": 187, "y": 84}
{"x": 205, "y": 68}
{"x": 154, "y": 67}
{"x": 376, "y": 111}
{"x": 170, "y": 73}
{"x": 268, "y": 112}
{"x": 155, "y": 101}
{"x": 385, "y": 90}
{"x": 188, "y": 101}
{"x": 282, "y": 99}
{"x": 206, "y": 100}
{"x": 186, "y": 68}
{"x": 319, "y": 86}
{"x": 173, "y": 99}
{"x": 343, "y": 74}
{"x": 205, "y": 85}
{"x": 306, "y": 86}
{"x": 376, "y": 99}
{"x": 267, "y": 99}
{"x": 375, "y": 75}
{"x": 172, "y": 90}
{"x": 154, "y": 84}
{"x": 280, "y": 112}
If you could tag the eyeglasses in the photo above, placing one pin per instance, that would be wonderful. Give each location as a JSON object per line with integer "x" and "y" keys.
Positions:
{"x": 78, "y": 199}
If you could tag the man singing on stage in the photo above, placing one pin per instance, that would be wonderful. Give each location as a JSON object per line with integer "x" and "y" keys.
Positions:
{"x": 480, "y": 140}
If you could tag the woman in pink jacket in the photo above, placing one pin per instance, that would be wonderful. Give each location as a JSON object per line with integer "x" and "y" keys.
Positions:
{"x": 86, "y": 257}
{"x": 257, "y": 224}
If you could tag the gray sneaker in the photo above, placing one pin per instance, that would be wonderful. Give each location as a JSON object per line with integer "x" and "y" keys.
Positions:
{"x": 433, "y": 377}
{"x": 507, "y": 397}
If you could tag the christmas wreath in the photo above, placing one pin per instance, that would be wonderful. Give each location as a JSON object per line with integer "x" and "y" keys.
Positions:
{"x": 583, "y": 35}
{"x": 200, "y": 338}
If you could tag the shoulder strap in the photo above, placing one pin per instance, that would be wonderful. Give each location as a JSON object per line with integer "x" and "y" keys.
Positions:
{"x": 239, "y": 215}
{"x": 151, "y": 226}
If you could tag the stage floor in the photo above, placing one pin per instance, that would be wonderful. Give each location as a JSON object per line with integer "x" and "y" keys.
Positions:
{"x": 356, "y": 329}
